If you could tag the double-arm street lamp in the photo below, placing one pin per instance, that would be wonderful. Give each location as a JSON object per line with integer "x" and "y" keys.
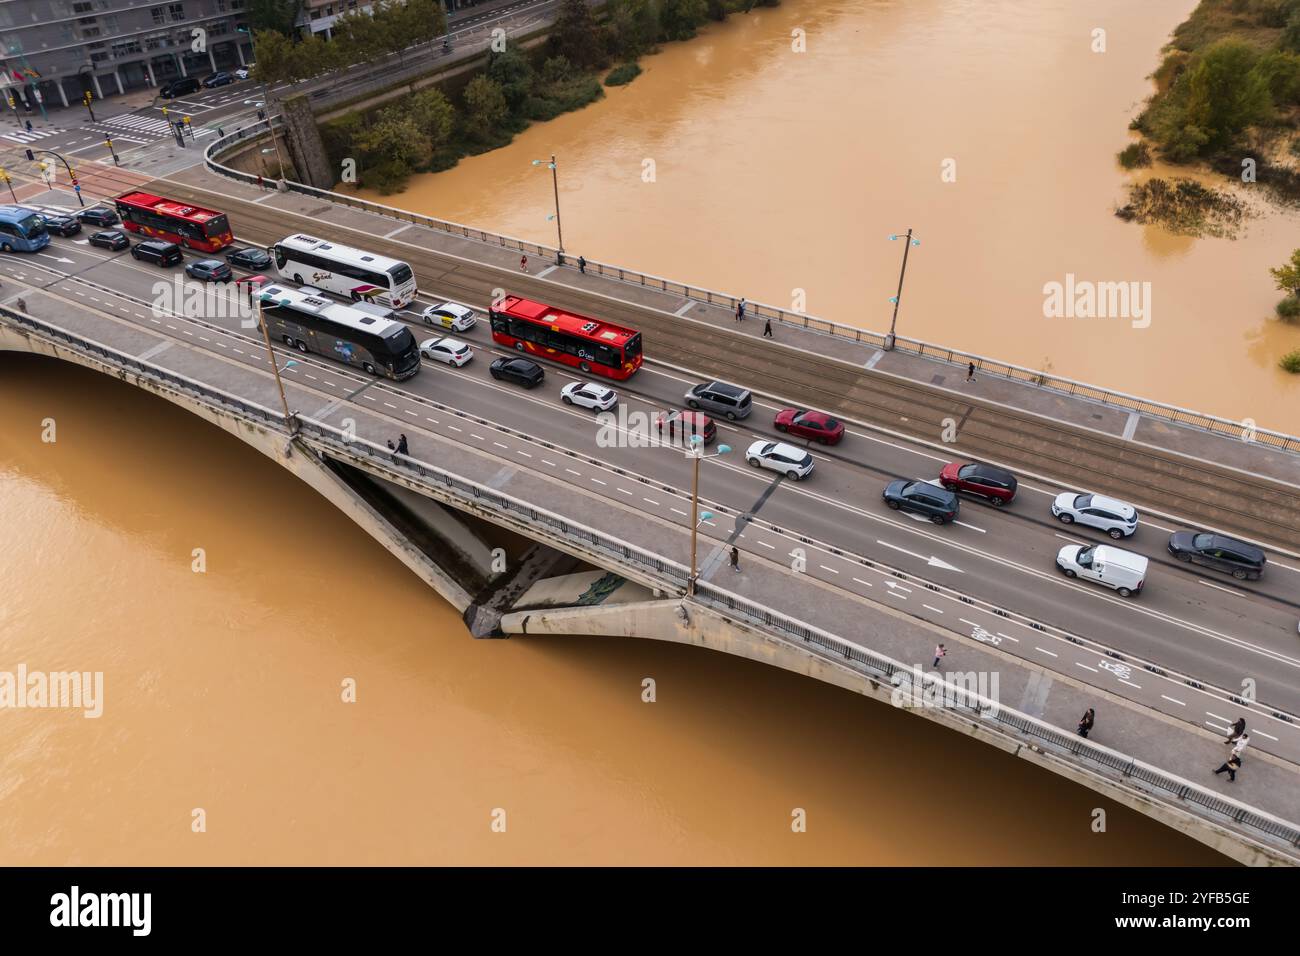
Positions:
{"x": 897, "y": 297}
{"x": 555, "y": 186}
{"x": 696, "y": 454}
{"x": 290, "y": 419}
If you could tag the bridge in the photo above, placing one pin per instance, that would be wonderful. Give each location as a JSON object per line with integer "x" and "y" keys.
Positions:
{"x": 831, "y": 584}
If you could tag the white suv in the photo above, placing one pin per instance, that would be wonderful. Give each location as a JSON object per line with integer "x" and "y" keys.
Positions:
{"x": 450, "y": 315}
{"x": 1116, "y": 518}
{"x": 794, "y": 463}
{"x": 589, "y": 396}
{"x": 446, "y": 349}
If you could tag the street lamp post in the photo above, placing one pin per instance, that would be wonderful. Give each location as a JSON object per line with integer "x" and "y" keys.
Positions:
{"x": 555, "y": 186}
{"x": 897, "y": 297}
{"x": 290, "y": 419}
{"x": 696, "y": 452}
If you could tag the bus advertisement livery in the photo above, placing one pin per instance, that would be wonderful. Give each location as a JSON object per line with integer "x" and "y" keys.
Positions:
{"x": 22, "y": 230}
{"x": 313, "y": 324}
{"x": 566, "y": 337}
{"x": 157, "y": 218}
{"x": 355, "y": 273}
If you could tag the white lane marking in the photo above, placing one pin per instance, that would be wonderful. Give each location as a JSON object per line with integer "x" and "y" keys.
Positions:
{"x": 678, "y": 511}
{"x": 1130, "y": 683}
{"x": 766, "y": 545}
{"x": 524, "y": 453}
{"x": 1008, "y": 637}
{"x": 652, "y": 501}
{"x": 548, "y": 464}
{"x": 1173, "y": 700}
{"x": 825, "y": 568}
{"x": 1047, "y": 652}
{"x": 1086, "y": 667}
{"x": 411, "y": 413}
{"x": 901, "y": 597}
{"x": 1220, "y": 587}
{"x": 624, "y": 491}
{"x": 428, "y": 419}
{"x": 599, "y": 482}
{"x": 572, "y": 472}
{"x": 867, "y": 583}
{"x": 1262, "y": 734}
{"x": 390, "y": 405}
{"x": 932, "y": 608}
{"x": 1217, "y": 717}
{"x": 454, "y": 428}
{"x": 499, "y": 445}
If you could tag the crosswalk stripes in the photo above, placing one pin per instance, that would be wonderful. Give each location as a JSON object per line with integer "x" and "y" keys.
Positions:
{"x": 22, "y": 136}
{"x": 140, "y": 124}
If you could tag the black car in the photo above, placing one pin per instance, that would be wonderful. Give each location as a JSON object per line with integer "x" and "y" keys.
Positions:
{"x": 938, "y": 504}
{"x": 62, "y": 225}
{"x": 98, "y": 216}
{"x": 114, "y": 239}
{"x": 217, "y": 79}
{"x": 1243, "y": 561}
{"x": 255, "y": 260}
{"x": 179, "y": 87}
{"x": 159, "y": 252}
{"x": 520, "y": 371}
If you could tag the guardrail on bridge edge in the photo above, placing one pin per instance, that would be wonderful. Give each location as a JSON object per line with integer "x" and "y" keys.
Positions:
{"x": 1036, "y": 733}
{"x": 1017, "y": 373}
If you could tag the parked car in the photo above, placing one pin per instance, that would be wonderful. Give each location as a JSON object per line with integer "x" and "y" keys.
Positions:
{"x": 157, "y": 251}
{"x": 97, "y": 216}
{"x": 1243, "y": 561}
{"x": 520, "y": 371}
{"x": 1124, "y": 571}
{"x": 241, "y": 73}
{"x": 589, "y": 395}
{"x": 61, "y": 225}
{"x": 1116, "y": 518}
{"x": 446, "y": 349}
{"x": 114, "y": 239}
{"x": 729, "y": 401}
{"x": 220, "y": 78}
{"x": 690, "y": 424}
{"x": 921, "y": 497}
{"x": 180, "y": 86}
{"x": 209, "y": 270}
{"x": 795, "y": 463}
{"x": 815, "y": 426}
{"x": 988, "y": 481}
{"x": 450, "y": 315}
{"x": 252, "y": 258}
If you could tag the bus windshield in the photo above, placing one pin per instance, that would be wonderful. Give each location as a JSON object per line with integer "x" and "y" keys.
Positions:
{"x": 401, "y": 273}
{"x": 217, "y": 226}
{"x": 33, "y": 226}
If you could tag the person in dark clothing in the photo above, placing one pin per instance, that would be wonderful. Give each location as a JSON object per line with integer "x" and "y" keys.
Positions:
{"x": 735, "y": 559}
{"x": 1232, "y": 765}
{"x": 29, "y": 126}
{"x": 582, "y": 264}
{"x": 391, "y": 446}
{"x": 970, "y": 372}
{"x": 401, "y": 446}
{"x": 1238, "y": 729}
{"x": 740, "y": 311}
{"x": 1086, "y": 722}
{"x": 767, "y": 329}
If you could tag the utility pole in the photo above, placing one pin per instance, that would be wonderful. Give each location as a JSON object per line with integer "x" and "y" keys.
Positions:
{"x": 555, "y": 186}
{"x": 4, "y": 174}
{"x": 289, "y": 419}
{"x": 898, "y": 297}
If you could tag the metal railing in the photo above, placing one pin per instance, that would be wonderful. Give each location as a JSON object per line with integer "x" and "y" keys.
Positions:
{"x": 606, "y": 548}
{"x": 1047, "y": 381}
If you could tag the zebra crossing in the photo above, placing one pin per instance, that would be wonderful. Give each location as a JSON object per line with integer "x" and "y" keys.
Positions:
{"x": 23, "y": 136}
{"x": 124, "y": 127}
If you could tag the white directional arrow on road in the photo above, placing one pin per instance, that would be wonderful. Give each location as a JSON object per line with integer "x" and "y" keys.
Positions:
{"x": 931, "y": 560}
{"x": 55, "y": 258}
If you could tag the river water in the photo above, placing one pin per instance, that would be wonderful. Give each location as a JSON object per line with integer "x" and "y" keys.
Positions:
{"x": 776, "y": 171}
{"x": 222, "y": 689}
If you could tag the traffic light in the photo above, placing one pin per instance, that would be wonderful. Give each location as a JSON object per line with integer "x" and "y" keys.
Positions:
{"x": 31, "y": 155}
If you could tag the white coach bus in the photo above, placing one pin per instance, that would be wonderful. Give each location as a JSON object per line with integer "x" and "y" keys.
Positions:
{"x": 361, "y": 276}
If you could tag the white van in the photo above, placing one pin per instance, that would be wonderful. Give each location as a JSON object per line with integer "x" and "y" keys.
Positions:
{"x": 1124, "y": 571}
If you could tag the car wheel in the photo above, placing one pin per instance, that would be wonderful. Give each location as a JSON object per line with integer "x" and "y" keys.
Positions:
{"x": 288, "y": 340}
{"x": 782, "y": 428}
{"x": 1184, "y": 556}
{"x": 893, "y": 504}
{"x": 519, "y": 346}
{"x": 297, "y": 278}
{"x": 584, "y": 366}
{"x": 1123, "y": 592}
{"x": 693, "y": 404}
{"x": 495, "y": 375}
{"x": 1069, "y": 573}
{"x": 1239, "y": 574}
{"x": 824, "y": 441}
{"x": 950, "y": 485}
{"x": 369, "y": 369}
{"x": 5, "y": 247}
{"x": 1066, "y": 519}
{"x": 731, "y": 416}
{"x": 937, "y": 519}
{"x": 792, "y": 475}
{"x": 566, "y": 399}
{"x": 997, "y": 502}
{"x": 428, "y": 320}
{"x": 754, "y": 462}
{"x": 1115, "y": 533}
{"x": 301, "y": 346}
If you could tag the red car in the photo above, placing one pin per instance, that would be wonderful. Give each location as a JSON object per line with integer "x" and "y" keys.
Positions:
{"x": 817, "y": 426}
{"x": 692, "y": 423}
{"x": 996, "y": 484}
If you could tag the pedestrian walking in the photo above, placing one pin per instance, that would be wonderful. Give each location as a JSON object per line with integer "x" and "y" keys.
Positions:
{"x": 1242, "y": 742}
{"x": 582, "y": 264}
{"x": 1232, "y": 765}
{"x": 261, "y": 183}
{"x": 740, "y": 311}
{"x": 767, "y": 329}
{"x": 1086, "y": 722}
{"x": 22, "y": 304}
{"x": 523, "y": 263}
{"x": 1238, "y": 729}
{"x": 735, "y": 559}
{"x": 402, "y": 449}
{"x": 29, "y": 126}
{"x": 940, "y": 653}
{"x": 970, "y": 372}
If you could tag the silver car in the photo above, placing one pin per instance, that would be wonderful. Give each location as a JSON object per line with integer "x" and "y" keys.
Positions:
{"x": 729, "y": 401}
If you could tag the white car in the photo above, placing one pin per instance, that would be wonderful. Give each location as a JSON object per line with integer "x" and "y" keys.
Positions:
{"x": 450, "y": 315}
{"x": 1116, "y": 518}
{"x": 446, "y": 349}
{"x": 794, "y": 463}
{"x": 240, "y": 74}
{"x": 589, "y": 395}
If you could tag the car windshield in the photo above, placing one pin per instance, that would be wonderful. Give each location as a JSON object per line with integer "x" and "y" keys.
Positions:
{"x": 907, "y": 488}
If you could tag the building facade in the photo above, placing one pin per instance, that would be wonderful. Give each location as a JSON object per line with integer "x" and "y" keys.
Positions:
{"x": 52, "y": 51}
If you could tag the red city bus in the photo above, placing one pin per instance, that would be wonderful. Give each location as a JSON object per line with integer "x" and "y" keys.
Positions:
{"x": 545, "y": 332}
{"x": 177, "y": 222}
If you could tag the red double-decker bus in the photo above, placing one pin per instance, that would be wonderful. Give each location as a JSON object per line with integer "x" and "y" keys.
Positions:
{"x": 174, "y": 221}
{"x": 547, "y": 332}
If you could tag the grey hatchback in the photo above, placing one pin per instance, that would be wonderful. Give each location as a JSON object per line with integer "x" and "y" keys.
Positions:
{"x": 938, "y": 504}
{"x": 210, "y": 270}
{"x": 1243, "y": 561}
{"x": 729, "y": 401}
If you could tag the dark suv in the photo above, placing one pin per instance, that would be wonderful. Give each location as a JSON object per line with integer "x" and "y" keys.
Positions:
{"x": 520, "y": 371}
{"x": 153, "y": 250}
{"x": 1243, "y": 561}
{"x": 62, "y": 225}
{"x": 179, "y": 87}
{"x": 938, "y": 504}
{"x": 729, "y": 401}
{"x": 996, "y": 484}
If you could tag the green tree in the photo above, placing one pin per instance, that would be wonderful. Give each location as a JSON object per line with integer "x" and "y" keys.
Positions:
{"x": 1281, "y": 71}
{"x": 576, "y": 36}
{"x": 433, "y": 115}
{"x": 1225, "y": 93}
{"x": 311, "y": 57}
{"x": 1287, "y": 276}
{"x": 277, "y": 15}
{"x": 274, "y": 54}
{"x": 486, "y": 106}
{"x": 633, "y": 26}
{"x": 419, "y": 21}
{"x": 681, "y": 18}
{"x": 394, "y": 136}
{"x": 511, "y": 69}
{"x": 360, "y": 36}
